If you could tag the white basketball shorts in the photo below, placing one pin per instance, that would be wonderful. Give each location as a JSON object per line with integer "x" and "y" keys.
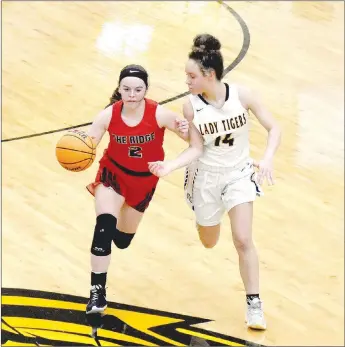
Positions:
{"x": 210, "y": 190}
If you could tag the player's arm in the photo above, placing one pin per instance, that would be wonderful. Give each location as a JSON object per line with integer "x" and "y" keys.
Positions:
{"x": 188, "y": 114}
{"x": 166, "y": 118}
{"x": 100, "y": 125}
{"x": 193, "y": 152}
{"x": 172, "y": 121}
{"x": 251, "y": 101}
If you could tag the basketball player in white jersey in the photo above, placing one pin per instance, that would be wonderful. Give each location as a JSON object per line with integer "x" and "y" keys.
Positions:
{"x": 223, "y": 178}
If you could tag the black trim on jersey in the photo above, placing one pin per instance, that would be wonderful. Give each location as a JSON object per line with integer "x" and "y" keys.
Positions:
{"x": 131, "y": 172}
{"x": 202, "y": 99}
{"x": 227, "y": 93}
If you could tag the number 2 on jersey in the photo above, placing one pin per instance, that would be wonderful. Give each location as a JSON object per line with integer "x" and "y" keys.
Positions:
{"x": 227, "y": 139}
{"x": 135, "y": 152}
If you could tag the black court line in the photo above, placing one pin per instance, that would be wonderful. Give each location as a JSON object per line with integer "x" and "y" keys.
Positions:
{"x": 238, "y": 59}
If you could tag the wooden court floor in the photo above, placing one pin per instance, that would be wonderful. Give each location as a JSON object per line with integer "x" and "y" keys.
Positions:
{"x": 60, "y": 64}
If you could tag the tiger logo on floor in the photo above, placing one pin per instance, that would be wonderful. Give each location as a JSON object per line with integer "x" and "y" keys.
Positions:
{"x": 37, "y": 318}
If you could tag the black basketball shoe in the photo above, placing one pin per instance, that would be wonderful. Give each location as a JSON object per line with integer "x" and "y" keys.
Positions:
{"x": 98, "y": 301}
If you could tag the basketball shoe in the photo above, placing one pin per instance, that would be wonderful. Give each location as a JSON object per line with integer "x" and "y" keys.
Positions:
{"x": 255, "y": 315}
{"x": 98, "y": 301}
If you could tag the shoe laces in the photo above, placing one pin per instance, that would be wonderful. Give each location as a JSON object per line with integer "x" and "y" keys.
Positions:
{"x": 255, "y": 308}
{"x": 95, "y": 292}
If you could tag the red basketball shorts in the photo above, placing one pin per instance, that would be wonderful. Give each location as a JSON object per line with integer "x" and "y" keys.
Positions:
{"x": 137, "y": 188}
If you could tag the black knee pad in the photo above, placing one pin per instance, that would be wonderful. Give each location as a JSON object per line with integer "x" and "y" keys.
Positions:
{"x": 103, "y": 234}
{"x": 122, "y": 240}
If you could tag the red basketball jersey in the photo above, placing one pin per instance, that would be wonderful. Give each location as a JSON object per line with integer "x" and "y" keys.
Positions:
{"x": 133, "y": 147}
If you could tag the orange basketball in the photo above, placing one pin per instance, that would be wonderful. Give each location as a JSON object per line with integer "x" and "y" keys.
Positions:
{"x": 75, "y": 150}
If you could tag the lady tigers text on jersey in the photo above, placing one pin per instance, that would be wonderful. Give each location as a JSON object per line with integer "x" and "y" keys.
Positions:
{"x": 223, "y": 125}
{"x": 225, "y": 130}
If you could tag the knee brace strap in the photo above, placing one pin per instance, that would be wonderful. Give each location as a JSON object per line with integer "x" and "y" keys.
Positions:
{"x": 103, "y": 234}
{"x": 122, "y": 240}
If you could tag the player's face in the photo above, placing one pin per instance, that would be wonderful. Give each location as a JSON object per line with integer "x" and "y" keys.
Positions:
{"x": 195, "y": 80}
{"x": 132, "y": 90}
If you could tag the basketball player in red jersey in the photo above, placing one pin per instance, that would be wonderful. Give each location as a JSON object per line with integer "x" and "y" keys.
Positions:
{"x": 124, "y": 185}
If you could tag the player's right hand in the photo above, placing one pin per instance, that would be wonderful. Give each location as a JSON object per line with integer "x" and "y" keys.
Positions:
{"x": 161, "y": 168}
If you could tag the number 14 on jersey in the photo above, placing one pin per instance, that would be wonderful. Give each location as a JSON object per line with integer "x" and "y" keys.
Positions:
{"x": 227, "y": 139}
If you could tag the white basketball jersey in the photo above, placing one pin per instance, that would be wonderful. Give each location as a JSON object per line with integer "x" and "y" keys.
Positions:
{"x": 225, "y": 130}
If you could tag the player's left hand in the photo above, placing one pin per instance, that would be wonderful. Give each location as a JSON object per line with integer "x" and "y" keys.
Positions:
{"x": 160, "y": 168}
{"x": 182, "y": 126}
{"x": 265, "y": 167}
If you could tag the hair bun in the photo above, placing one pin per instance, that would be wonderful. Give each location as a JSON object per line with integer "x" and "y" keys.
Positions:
{"x": 206, "y": 43}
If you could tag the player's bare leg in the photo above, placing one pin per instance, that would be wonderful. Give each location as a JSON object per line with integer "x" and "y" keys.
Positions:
{"x": 241, "y": 217}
